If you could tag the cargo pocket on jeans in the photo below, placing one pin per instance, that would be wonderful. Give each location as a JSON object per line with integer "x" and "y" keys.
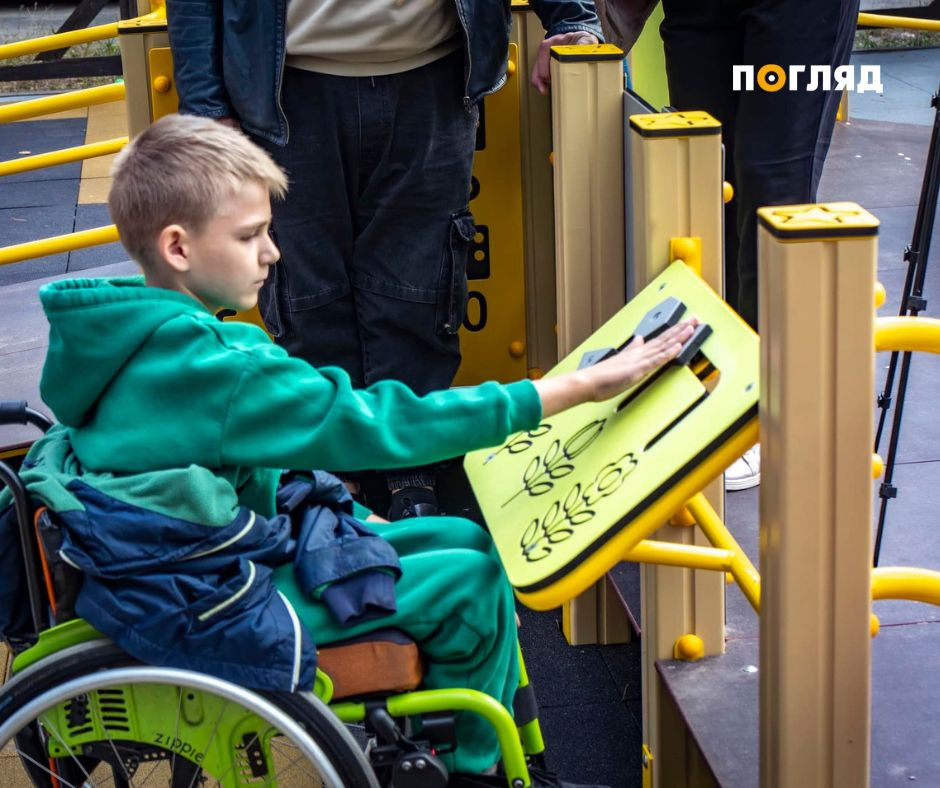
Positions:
{"x": 452, "y": 290}
{"x": 272, "y": 299}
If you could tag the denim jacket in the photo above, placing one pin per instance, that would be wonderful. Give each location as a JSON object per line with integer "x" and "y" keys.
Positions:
{"x": 228, "y": 55}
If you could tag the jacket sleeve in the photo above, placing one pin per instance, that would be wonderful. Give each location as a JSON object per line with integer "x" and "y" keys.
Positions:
{"x": 567, "y": 16}
{"x": 195, "y": 28}
{"x": 284, "y": 413}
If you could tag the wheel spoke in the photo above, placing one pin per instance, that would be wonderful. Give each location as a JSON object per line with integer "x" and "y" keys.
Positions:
{"x": 48, "y": 726}
{"x": 218, "y": 722}
{"x": 96, "y": 715}
{"x": 292, "y": 762}
{"x": 46, "y": 769}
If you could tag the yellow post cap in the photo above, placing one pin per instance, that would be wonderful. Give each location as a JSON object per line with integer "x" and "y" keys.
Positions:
{"x": 874, "y": 625}
{"x": 727, "y": 192}
{"x": 880, "y": 295}
{"x": 877, "y": 466}
{"x": 818, "y": 221}
{"x": 675, "y": 124}
{"x": 579, "y": 53}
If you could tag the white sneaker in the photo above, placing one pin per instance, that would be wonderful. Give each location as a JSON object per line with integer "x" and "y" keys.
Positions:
{"x": 744, "y": 472}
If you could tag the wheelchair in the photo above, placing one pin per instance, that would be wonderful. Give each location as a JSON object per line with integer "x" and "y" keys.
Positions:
{"x": 78, "y": 711}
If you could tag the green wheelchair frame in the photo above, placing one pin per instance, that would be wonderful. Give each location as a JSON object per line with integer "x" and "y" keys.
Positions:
{"x": 146, "y": 712}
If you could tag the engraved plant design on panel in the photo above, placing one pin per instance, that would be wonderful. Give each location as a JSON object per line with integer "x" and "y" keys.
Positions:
{"x": 543, "y": 471}
{"x": 521, "y": 442}
{"x": 562, "y": 517}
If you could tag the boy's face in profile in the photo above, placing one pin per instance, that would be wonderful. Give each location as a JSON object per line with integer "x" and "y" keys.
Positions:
{"x": 225, "y": 264}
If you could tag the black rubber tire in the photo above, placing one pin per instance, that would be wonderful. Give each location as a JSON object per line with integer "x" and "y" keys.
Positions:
{"x": 77, "y": 661}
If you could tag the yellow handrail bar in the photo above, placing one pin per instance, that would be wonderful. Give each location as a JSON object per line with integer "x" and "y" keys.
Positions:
{"x": 746, "y": 576}
{"x": 74, "y": 99}
{"x": 58, "y": 244}
{"x": 650, "y": 551}
{"x": 33, "y": 46}
{"x": 900, "y": 582}
{"x": 64, "y": 156}
{"x": 877, "y": 20}
{"x": 920, "y": 334}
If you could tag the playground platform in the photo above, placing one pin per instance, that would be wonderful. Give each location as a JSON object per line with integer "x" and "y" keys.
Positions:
{"x": 590, "y": 695}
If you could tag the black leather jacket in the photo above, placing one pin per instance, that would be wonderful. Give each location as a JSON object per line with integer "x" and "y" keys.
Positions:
{"x": 228, "y": 55}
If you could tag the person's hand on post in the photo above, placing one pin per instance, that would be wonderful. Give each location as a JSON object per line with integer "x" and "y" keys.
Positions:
{"x": 541, "y": 72}
{"x": 613, "y": 375}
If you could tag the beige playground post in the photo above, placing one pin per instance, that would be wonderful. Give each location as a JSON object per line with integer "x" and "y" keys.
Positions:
{"x": 817, "y": 274}
{"x": 537, "y": 202}
{"x": 148, "y": 70}
{"x": 677, "y": 191}
{"x": 587, "y": 132}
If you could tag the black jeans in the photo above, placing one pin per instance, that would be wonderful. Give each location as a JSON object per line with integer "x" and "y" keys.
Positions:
{"x": 375, "y": 231}
{"x": 775, "y": 143}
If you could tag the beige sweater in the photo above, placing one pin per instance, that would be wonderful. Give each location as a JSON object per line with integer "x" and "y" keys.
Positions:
{"x": 369, "y": 37}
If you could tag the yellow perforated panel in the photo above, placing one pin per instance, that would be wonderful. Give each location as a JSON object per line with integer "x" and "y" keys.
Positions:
{"x": 566, "y": 500}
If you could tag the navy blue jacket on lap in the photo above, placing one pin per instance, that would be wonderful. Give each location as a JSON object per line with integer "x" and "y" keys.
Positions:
{"x": 201, "y": 597}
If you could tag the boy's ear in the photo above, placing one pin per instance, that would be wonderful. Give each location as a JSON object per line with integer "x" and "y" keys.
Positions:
{"x": 173, "y": 247}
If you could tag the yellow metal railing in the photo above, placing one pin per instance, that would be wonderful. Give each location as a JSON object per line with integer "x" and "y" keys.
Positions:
{"x": 64, "y": 156}
{"x": 71, "y": 38}
{"x": 74, "y": 99}
{"x": 912, "y": 23}
{"x": 32, "y": 108}
{"x": 916, "y": 334}
{"x": 58, "y": 244}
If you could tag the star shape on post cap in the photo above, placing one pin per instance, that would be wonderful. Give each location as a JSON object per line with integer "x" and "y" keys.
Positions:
{"x": 838, "y": 216}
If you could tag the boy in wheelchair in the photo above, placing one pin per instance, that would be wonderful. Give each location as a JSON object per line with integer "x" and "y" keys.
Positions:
{"x": 166, "y": 471}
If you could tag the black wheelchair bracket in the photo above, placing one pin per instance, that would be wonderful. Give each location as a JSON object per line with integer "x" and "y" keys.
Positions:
{"x": 18, "y": 412}
{"x": 411, "y": 763}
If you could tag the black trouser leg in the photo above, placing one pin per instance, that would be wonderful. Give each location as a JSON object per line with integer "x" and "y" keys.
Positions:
{"x": 776, "y": 143}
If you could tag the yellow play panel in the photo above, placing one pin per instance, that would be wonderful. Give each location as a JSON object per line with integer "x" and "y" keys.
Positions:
{"x": 566, "y": 500}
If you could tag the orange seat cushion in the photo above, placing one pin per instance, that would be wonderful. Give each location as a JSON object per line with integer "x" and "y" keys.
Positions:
{"x": 384, "y": 661}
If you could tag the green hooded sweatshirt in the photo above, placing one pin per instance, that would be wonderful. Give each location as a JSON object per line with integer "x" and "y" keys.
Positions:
{"x": 148, "y": 380}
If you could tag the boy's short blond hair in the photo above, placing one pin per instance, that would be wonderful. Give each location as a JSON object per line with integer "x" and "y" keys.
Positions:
{"x": 180, "y": 171}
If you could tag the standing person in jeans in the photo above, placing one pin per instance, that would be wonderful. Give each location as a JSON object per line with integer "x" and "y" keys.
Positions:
{"x": 372, "y": 109}
{"x": 775, "y": 142}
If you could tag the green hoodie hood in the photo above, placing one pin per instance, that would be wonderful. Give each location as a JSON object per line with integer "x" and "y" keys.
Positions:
{"x": 95, "y": 327}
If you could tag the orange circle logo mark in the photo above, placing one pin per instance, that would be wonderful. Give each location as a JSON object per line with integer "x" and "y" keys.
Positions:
{"x": 771, "y": 78}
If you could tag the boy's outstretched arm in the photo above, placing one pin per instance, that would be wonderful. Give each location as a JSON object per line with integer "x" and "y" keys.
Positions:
{"x": 615, "y": 374}
{"x": 283, "y": 413}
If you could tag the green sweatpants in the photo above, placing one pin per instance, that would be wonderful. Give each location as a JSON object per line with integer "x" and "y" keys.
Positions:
{"x": 455, "y": 601}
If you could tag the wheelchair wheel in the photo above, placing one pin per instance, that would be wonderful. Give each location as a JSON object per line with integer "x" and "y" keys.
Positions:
{"x": 89, "y": 715}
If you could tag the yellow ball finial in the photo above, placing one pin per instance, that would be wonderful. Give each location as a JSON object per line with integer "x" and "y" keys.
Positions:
{"x": 877, "y": 466}
{"x": 874, "y": 625}
{"x": 880, "y": 295}
{"x": 727, "y": 191}
{"x": 689, "y": 648}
